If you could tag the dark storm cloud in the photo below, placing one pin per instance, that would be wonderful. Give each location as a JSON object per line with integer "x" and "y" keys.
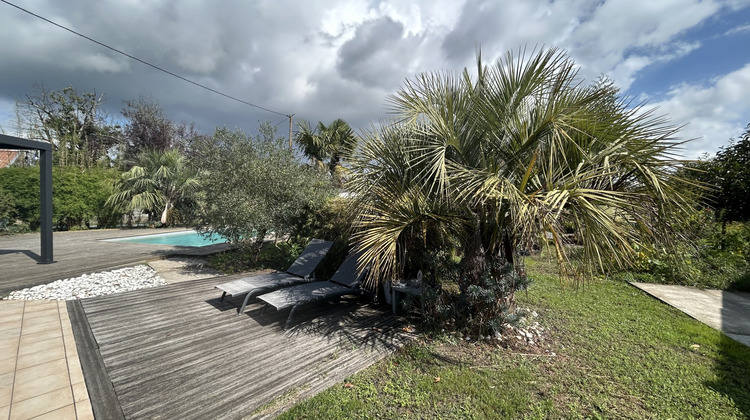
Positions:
{"x": 237, "y": 50}
{"x": 367, "y": 57}
{"x": 319, "y": 59}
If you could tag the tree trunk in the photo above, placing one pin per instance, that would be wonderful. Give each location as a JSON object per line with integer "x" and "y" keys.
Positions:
{"x": 508, "y": 249}
{"x": 258, "y": 243}
{"x": 473, "y": 262}
{"x": 333, "y": 168}
{"x": 165, "y": 213}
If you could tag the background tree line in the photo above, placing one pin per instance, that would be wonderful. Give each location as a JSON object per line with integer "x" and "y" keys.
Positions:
{"x": 109, "y": 171}
{"x": 91, "y": 150}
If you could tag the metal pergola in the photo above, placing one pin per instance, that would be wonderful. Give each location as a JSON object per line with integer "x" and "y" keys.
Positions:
{"x": 45, "y": 187}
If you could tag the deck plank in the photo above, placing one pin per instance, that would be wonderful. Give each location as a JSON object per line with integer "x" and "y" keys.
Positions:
{"x": 176, "y": 352}
{"x": 80, "y": 252}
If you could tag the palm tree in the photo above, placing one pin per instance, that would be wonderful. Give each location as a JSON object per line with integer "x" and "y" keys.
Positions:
{"x": 492, "y": 163}
{"x": 327, "y": 146}
{"x": 159, "y": 181}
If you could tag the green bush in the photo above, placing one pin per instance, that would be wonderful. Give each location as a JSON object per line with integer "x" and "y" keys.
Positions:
{"x": 252, "y": 186}
{"x": 22, "y": 185}
{"x": 6, "y": 210}
{"x": 330, "y": 220}
{"x": 78, "y": 196}
{"x": 483, "y": 309}
{"x": 718, "y": 258}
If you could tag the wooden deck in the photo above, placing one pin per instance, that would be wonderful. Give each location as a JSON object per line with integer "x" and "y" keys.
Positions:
{"x": 78, "y": 253}
{"x": 176, "y": 352}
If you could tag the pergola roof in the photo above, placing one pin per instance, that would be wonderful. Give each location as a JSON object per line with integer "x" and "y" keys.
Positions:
{"x": 17, "y": 143}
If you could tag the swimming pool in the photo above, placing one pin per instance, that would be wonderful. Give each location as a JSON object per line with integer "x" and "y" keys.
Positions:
{"x": 186, "y": 238}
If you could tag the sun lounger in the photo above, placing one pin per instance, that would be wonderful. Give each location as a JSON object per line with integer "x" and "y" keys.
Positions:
{"x": 346, "y": 281}
{"x": 301, "y": 271}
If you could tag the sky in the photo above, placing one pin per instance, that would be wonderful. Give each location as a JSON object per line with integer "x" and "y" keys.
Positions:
{"x": 321, "y": 59}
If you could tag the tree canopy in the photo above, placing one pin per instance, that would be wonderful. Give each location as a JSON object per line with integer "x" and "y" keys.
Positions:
{"x": 159, "y": 182}
{"x": 254, "y": 185}
{"x": 327, "y": 146}
{"x": 73, "y": 122}
{"x": 729, "y": 171}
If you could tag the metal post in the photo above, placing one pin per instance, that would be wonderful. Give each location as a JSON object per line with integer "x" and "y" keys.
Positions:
{"x": 45, "y": 203}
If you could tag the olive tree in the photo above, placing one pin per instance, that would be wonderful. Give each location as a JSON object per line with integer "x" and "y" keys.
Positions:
{"x": 252, "y": 186}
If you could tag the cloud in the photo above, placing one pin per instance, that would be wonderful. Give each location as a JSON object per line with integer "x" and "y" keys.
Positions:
{"x": 325, "y": 59}
{"x": 378, "y": 54}
{"x": 641, "y": 31}
{"x": 738, "y": 30}
{"x": 714, "y": 112}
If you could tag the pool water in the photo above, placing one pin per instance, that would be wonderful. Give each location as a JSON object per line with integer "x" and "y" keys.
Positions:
{"x": 187, "y": 238}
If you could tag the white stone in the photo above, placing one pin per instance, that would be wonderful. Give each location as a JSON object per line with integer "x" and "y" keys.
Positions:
{"x": 90, "y": 285}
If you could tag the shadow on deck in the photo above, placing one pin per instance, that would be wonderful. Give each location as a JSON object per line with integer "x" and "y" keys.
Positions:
{"x": 176, "y": 352}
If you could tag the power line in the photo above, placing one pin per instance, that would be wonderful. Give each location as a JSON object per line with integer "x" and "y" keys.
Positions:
{"x": 143, "y": 61}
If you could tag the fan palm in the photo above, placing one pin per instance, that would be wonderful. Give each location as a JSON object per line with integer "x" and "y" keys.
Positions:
{"x": 327, "y": 146}
{"x": 505, "y": 158}
{"x": 159, "y": 181}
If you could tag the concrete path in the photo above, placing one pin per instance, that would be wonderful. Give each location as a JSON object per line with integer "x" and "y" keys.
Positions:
{"x": 728, "y": 312}
{"x": 40, "y": 374}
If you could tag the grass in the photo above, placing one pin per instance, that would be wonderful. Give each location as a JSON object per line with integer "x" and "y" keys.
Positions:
{"x": 618, "y": 353}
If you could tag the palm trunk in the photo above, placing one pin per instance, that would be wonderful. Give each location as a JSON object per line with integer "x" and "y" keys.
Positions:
{"x": 508, "y": 249}
{"x": 473, "y": 262}
{"x": 165, "y": 213}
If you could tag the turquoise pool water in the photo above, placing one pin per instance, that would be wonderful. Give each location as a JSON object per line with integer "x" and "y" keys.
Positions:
{"x": 187, "y": 238}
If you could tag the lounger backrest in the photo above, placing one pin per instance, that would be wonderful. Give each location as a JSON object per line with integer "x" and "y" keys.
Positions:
{"x": 347, "y": 274}
{"x": 310, "y": 257}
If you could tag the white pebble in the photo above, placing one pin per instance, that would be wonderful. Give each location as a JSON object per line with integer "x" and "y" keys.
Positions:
{"x": 94, "y": 284}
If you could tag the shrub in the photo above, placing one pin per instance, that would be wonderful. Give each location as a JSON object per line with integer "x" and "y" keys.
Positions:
{"x": 274, "y": 256}
{"x": 330, "y": 220}
{"x": 254, "y": 186}
{"x": 21, "y": 184}
{"x": 485, "y": 306}
{"x": 717, "y": 258}
{"x": 6, "y": 210}
{"x": 78, "y": 195}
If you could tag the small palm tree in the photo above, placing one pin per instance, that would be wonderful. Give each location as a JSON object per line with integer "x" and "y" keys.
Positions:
{"x": 159, "y": 181}
{"x": 492, "y": 163}
{"x": 327, "y": 146}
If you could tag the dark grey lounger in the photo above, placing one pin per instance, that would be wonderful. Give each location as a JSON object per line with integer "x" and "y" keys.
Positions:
{"x": 300, "y": 272}
{"x": 345, "y": 281}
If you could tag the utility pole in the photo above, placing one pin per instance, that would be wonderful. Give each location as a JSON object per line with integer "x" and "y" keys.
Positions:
{"x": 290, "y": 131}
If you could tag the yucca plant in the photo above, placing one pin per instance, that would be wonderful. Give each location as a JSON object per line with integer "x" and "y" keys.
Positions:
{"x": 494, "y": 162}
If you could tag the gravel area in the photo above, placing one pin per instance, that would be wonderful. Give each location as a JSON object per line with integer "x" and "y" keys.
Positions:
{"x": 90, "y": 285}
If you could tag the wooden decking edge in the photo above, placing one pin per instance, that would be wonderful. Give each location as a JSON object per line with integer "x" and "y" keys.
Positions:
{"x": 104, "y": 402}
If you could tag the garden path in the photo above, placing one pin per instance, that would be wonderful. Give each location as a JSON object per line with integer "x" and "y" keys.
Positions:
{"x": 725, "y": 311}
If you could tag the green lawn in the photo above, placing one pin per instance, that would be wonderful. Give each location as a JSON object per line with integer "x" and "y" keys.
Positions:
{"x": 618, "y": 353}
